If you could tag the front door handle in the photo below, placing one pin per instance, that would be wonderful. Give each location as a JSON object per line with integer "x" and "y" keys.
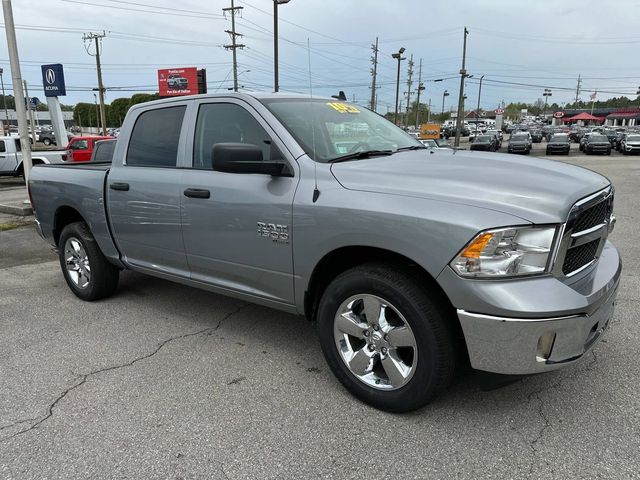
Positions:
{"x": 197, "y": 193}
{"x": 124, "y": 187}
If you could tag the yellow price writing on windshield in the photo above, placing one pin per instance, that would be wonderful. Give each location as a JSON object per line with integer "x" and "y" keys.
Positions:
{"x": 343, "y": 107}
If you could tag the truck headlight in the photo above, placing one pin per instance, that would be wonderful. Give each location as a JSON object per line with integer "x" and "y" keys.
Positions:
{"x": 506, "y": 252}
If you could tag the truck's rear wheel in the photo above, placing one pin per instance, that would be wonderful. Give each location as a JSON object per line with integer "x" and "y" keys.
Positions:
{"x": 385, "y": 338}
{"x": 88, "y": 273}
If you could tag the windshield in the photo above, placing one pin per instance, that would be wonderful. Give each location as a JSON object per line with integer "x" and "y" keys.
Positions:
{"x": 560, "y": 139}
{"x": 598, "y": 138}
{"x": 633, "y": 138}
{"x": 328, "y": 129}
{"x": 519, "y": 138}
{"x": 483, "y": 138}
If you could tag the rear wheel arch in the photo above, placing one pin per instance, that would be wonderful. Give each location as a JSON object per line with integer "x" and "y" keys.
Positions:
{"x": 64, "y": 216}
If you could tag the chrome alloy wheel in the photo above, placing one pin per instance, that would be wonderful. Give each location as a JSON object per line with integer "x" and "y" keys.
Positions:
{"x": 77, "y": 263}
{"x": 375, "y": 342}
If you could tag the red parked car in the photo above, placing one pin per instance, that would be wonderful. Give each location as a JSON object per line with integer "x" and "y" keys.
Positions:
{"x": 80, "y": 149}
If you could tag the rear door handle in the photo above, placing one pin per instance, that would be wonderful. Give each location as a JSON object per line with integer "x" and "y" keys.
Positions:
{"x": 197, "y": 193}
{"x": 124, "y": 187}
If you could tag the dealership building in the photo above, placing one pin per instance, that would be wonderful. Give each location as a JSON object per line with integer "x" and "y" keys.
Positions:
{"x": 40, "y": 118}
{"x": 626, "y": 116}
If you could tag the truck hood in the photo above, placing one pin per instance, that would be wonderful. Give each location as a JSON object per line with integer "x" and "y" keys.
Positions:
{"x": 536, "y": 190}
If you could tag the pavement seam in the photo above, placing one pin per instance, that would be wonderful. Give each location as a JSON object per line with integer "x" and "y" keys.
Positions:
{"x": 84, "y": 377}
{"x": 545, "y": 419}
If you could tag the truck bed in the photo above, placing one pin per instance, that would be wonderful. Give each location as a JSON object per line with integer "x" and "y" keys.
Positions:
{"x": 75, "y": 189}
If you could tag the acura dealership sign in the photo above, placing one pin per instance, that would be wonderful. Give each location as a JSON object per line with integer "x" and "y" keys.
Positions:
{"x": 53, "y": 80}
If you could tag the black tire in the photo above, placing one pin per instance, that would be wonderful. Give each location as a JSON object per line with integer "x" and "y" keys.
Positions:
{"x": 424, "y": 314}
{"x": 103, "y": 275}
{"x": 46, "y": 141}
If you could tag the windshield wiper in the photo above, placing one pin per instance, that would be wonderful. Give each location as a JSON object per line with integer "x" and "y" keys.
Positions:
{"x": 360, "y": 155}
{"x": 412, "y": 147}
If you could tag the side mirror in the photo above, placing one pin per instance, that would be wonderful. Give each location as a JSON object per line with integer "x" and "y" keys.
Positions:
{"x": 245, "y": 158}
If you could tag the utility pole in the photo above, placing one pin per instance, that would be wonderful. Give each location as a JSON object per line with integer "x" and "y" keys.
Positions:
{"x": 18, "y": 94}
{"x": 578, "y": 89}
{"x": 398, "y": 56}
{"x": 463, "y": 75}
{"x": 97, "y": 37}
{"x": 234, "y": 45}
{"x": 429, "y": 112}
{"x": 374, "y": 73}
{"x": 409, "y": 83}
{"x": 421, "y": 87}
{"x": 30, "y": 111}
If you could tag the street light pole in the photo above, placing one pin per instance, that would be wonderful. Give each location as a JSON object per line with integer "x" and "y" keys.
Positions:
{"x": 478, "y": 109}
{"x": 276, "y": 86}
{"x": 95, "y": 101}
{"x": 546, "y": 95}
{"x": 4, "y": 101}
{"x": 398, "y": 56}
{"x": 445, "y": 94}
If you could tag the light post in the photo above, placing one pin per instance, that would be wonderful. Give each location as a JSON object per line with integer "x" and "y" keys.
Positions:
{"x": 421, "y": 87}
{"x": 95, "y": 101}
{"x": 276, "y": 86}
{"x": 478, "y": 109}
{"x": 4, "y": 101}
{"x": 398, "y": 56}
{"x": 445, "y": 94}
{"x": 546, "y": 95}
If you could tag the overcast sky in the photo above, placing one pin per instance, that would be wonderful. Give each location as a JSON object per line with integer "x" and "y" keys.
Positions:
{"x": 536, "y": 44}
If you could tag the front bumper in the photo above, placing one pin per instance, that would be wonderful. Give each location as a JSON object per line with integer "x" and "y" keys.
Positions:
{"x": 504, "y": 322}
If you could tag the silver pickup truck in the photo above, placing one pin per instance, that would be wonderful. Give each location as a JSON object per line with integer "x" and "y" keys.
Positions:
{"x": 411, "y": 261}
{"x": 11, "y": 157}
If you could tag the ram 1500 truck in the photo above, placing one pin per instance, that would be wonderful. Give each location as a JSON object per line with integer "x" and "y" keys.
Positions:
{"x": 409, "y": 260}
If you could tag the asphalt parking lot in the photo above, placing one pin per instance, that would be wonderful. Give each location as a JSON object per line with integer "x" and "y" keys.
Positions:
{"x": 165, "y": 381}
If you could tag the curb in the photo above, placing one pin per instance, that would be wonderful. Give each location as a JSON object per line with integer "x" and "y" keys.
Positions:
{"x": 19, "y": 209}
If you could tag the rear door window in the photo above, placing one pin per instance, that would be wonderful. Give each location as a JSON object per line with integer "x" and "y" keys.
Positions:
{"x": 104, "y": 151}
{"x": 155, "y": 137}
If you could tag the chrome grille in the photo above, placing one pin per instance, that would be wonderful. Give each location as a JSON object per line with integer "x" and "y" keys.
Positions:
{"x": 585, "y": 233}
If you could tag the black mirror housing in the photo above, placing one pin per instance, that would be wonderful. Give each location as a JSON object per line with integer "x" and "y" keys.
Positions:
{"x": 244, "y": 158}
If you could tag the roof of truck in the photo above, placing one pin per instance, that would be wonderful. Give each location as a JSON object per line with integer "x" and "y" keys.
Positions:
{"x": 240, "y": 95}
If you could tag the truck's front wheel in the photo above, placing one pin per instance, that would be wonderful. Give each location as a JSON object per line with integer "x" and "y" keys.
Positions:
{"x": 87, "y": 272}
{"x": 385, "y": 338}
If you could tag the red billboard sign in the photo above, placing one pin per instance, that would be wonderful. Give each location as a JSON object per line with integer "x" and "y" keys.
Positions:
{"x": 178, "y": 81}
{"x": 558, "y": 114}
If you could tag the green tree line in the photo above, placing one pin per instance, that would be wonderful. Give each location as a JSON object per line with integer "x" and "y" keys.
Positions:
{"x": 88, "y": 114}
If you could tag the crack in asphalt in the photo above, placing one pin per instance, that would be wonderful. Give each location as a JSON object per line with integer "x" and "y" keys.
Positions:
{"x": 85, "y": 376}
{"x": 545, "y": 419}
